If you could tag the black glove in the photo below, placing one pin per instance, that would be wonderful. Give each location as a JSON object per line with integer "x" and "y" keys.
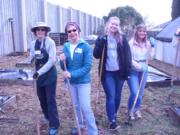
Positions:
{"x": 35, "y": 75}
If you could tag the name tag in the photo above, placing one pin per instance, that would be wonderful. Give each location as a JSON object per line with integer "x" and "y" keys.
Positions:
{"x": 37, "y": 52}
{"x": 78, "y": 50}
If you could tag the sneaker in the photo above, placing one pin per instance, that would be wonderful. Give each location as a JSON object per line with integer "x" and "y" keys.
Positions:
{"x": 53, "y": 131}
{"x": 131, "y": 116}
{"x": 138, "y": 114}
{"x": 113, "y": 126}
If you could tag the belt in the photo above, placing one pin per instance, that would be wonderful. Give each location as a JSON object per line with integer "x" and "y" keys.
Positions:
{"x": 141, "y": 60}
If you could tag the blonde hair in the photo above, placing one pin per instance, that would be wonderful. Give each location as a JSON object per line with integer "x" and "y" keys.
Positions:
{"x": 138, "y": 27}
{"x": 118, "y": 34}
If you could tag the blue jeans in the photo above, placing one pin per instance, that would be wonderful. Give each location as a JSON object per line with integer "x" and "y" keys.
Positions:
{"x": 134, "y": 82}
{"x": 81, "y": 98}
{"x": 112, "y": 84}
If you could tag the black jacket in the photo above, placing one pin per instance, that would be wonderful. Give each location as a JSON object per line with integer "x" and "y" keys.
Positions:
{"x": 123, "y": 51}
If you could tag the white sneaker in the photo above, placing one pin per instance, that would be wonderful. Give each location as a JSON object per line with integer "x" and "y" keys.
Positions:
{"x": 138, "y": 114}
{"x": 131, "y": 116}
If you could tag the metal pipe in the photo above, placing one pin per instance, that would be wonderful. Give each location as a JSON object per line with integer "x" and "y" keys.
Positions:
{"x": 12, "y": 33}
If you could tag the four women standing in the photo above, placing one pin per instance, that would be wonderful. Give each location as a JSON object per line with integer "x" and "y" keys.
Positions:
{"x": 115, "y": 64}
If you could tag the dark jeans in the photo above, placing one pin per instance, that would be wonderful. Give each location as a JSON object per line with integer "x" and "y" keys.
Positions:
{"x": 112, "y": 84}
{"x": 47, "y": 98}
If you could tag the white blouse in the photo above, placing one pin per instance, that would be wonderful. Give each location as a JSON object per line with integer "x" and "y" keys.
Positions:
{"x": 140, "y": 52}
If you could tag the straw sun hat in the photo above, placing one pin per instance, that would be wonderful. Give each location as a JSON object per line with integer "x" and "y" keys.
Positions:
{"x": 41, "y": 24}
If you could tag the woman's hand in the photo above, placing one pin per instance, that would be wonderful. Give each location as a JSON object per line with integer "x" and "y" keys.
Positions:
{"x": 66, "y": 74}
{"x": 144, "y": 67}
{"x": 62, "y": 57}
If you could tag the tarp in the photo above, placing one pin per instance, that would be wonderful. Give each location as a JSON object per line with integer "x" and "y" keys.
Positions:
{"x": 168, "y": 32}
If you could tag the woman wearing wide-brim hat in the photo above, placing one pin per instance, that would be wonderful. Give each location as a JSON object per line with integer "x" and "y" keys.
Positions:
{"x": 43, "y": 51}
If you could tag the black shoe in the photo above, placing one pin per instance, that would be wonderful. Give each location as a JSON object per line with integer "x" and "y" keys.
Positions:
{"x": 113, "y": 126}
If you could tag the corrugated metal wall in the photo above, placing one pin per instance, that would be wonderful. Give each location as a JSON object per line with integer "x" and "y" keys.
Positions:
{"x": 53, "y": 17}
{"x": 26, "y": 13}
{"x": 64, "y": 17}
{"x": 6, "y": 43}
{"x": 166, "y": 52}
{"x": 33, "y": 10}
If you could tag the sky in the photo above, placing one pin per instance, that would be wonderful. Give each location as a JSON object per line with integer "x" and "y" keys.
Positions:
{"x": 156, "y": 11}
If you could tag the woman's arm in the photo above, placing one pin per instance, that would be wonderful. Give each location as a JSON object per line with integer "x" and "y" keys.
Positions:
{"x": 99, "y": 45}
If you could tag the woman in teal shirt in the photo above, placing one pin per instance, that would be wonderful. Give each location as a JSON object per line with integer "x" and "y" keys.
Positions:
{"x": 78, "y": 56}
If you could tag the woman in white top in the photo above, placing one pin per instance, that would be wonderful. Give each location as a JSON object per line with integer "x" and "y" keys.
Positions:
{"x": 43, "y": 51}
{"x": 141, "y": 52}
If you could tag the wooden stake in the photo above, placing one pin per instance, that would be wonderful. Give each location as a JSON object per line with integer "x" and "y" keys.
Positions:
{"x": 175, "y": 61}
{"x": 137, "y": 94}
{"x": 174, "y": 70}
{"x": 99, "y": 82}
{"x": 74, "y": 107}
{"x": 36, "y": 104}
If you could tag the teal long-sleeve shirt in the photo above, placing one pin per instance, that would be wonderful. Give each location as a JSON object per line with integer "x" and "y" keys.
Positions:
{"x": 80, "y": 65}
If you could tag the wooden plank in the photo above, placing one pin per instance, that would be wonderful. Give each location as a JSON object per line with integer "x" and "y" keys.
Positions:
{"x": 164, "y": 83}
{"x": 17, "y": 82}
{"x": 9, "y": 101}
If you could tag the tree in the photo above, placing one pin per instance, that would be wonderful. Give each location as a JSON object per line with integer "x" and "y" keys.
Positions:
{"x": 175, "y": 9}
{"x": 129, "y": 18}
{"x": 127, "y": 15}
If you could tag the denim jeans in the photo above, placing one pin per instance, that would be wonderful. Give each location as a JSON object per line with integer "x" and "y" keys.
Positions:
{"x": 47, "y": 98}
{"x": 112, "y": 84}
{"x": 82, "y": 100}
{"x": 134, "y": 82}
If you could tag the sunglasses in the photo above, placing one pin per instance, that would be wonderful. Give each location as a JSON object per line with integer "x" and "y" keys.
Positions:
{"x": 40, "y": 29}
{"x": 74, "y": 30}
